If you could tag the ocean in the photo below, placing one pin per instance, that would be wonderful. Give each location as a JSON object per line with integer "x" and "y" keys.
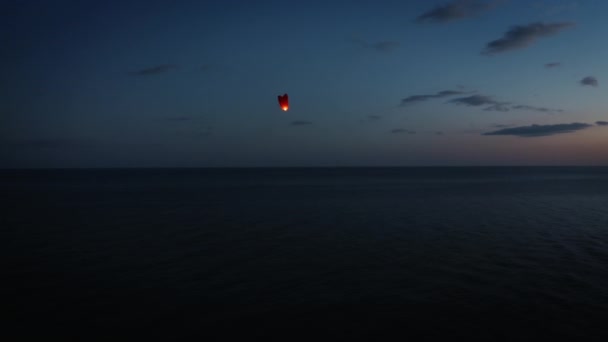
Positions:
{"x": 488, "y": 253}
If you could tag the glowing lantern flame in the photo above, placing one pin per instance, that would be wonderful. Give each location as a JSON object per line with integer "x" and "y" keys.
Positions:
{"x": 284, "y": 102}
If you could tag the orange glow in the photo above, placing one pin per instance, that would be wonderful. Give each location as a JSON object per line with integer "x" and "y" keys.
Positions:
{"x": 284, "y": 102}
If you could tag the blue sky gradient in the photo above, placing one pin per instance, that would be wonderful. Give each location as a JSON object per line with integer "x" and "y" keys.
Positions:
{"x": 195, "y": 83}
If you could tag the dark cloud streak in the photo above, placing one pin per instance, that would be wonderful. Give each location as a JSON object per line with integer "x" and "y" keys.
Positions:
{"x": 519, "y": 36}
{"x": 589, "y": 81}
{"x": 493, "y": 105}
{"x": 455, "y": 10}
{"x": 537, "y": 109}
{"x": 482, "y": 100}
{"x": 474, "y": 100}
{"x": 540, "y": 130}
{"x": 421, "y": 98}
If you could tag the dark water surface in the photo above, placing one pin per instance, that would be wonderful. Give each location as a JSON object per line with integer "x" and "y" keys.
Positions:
{"x": 346, "y": 253}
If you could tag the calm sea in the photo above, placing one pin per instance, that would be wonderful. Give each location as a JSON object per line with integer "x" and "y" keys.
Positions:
{"x": 341, "y": 253}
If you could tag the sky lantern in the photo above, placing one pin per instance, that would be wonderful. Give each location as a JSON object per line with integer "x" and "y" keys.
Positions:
{"x": 284, "y": 102}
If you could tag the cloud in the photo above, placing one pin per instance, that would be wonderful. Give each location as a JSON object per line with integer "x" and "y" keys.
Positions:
{"x": 589, "y": 81}
{"x": 300, "y": 123}
{"x": 498, "y": 107}
{"x": 540, "y": 130}
{"x": 552, "y": 65}
{"x": 449, "y": 93}
{"x": 474, "y": 100}
{"x": 482, "y": 100}
{"x": 493, "y": 105}
{"x": 537, "y": 109}
{"x": 601, "y": 123}
{"x": 401, "y": 130}
{"x": 155, "y": 70}
{"x": 455, "y": 10}
{"x": 421, "y": 98}
{"x": 519, "y": 37}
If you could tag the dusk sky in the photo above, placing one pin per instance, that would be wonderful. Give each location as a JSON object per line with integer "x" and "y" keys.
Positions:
{"x": 371, "y": 83}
